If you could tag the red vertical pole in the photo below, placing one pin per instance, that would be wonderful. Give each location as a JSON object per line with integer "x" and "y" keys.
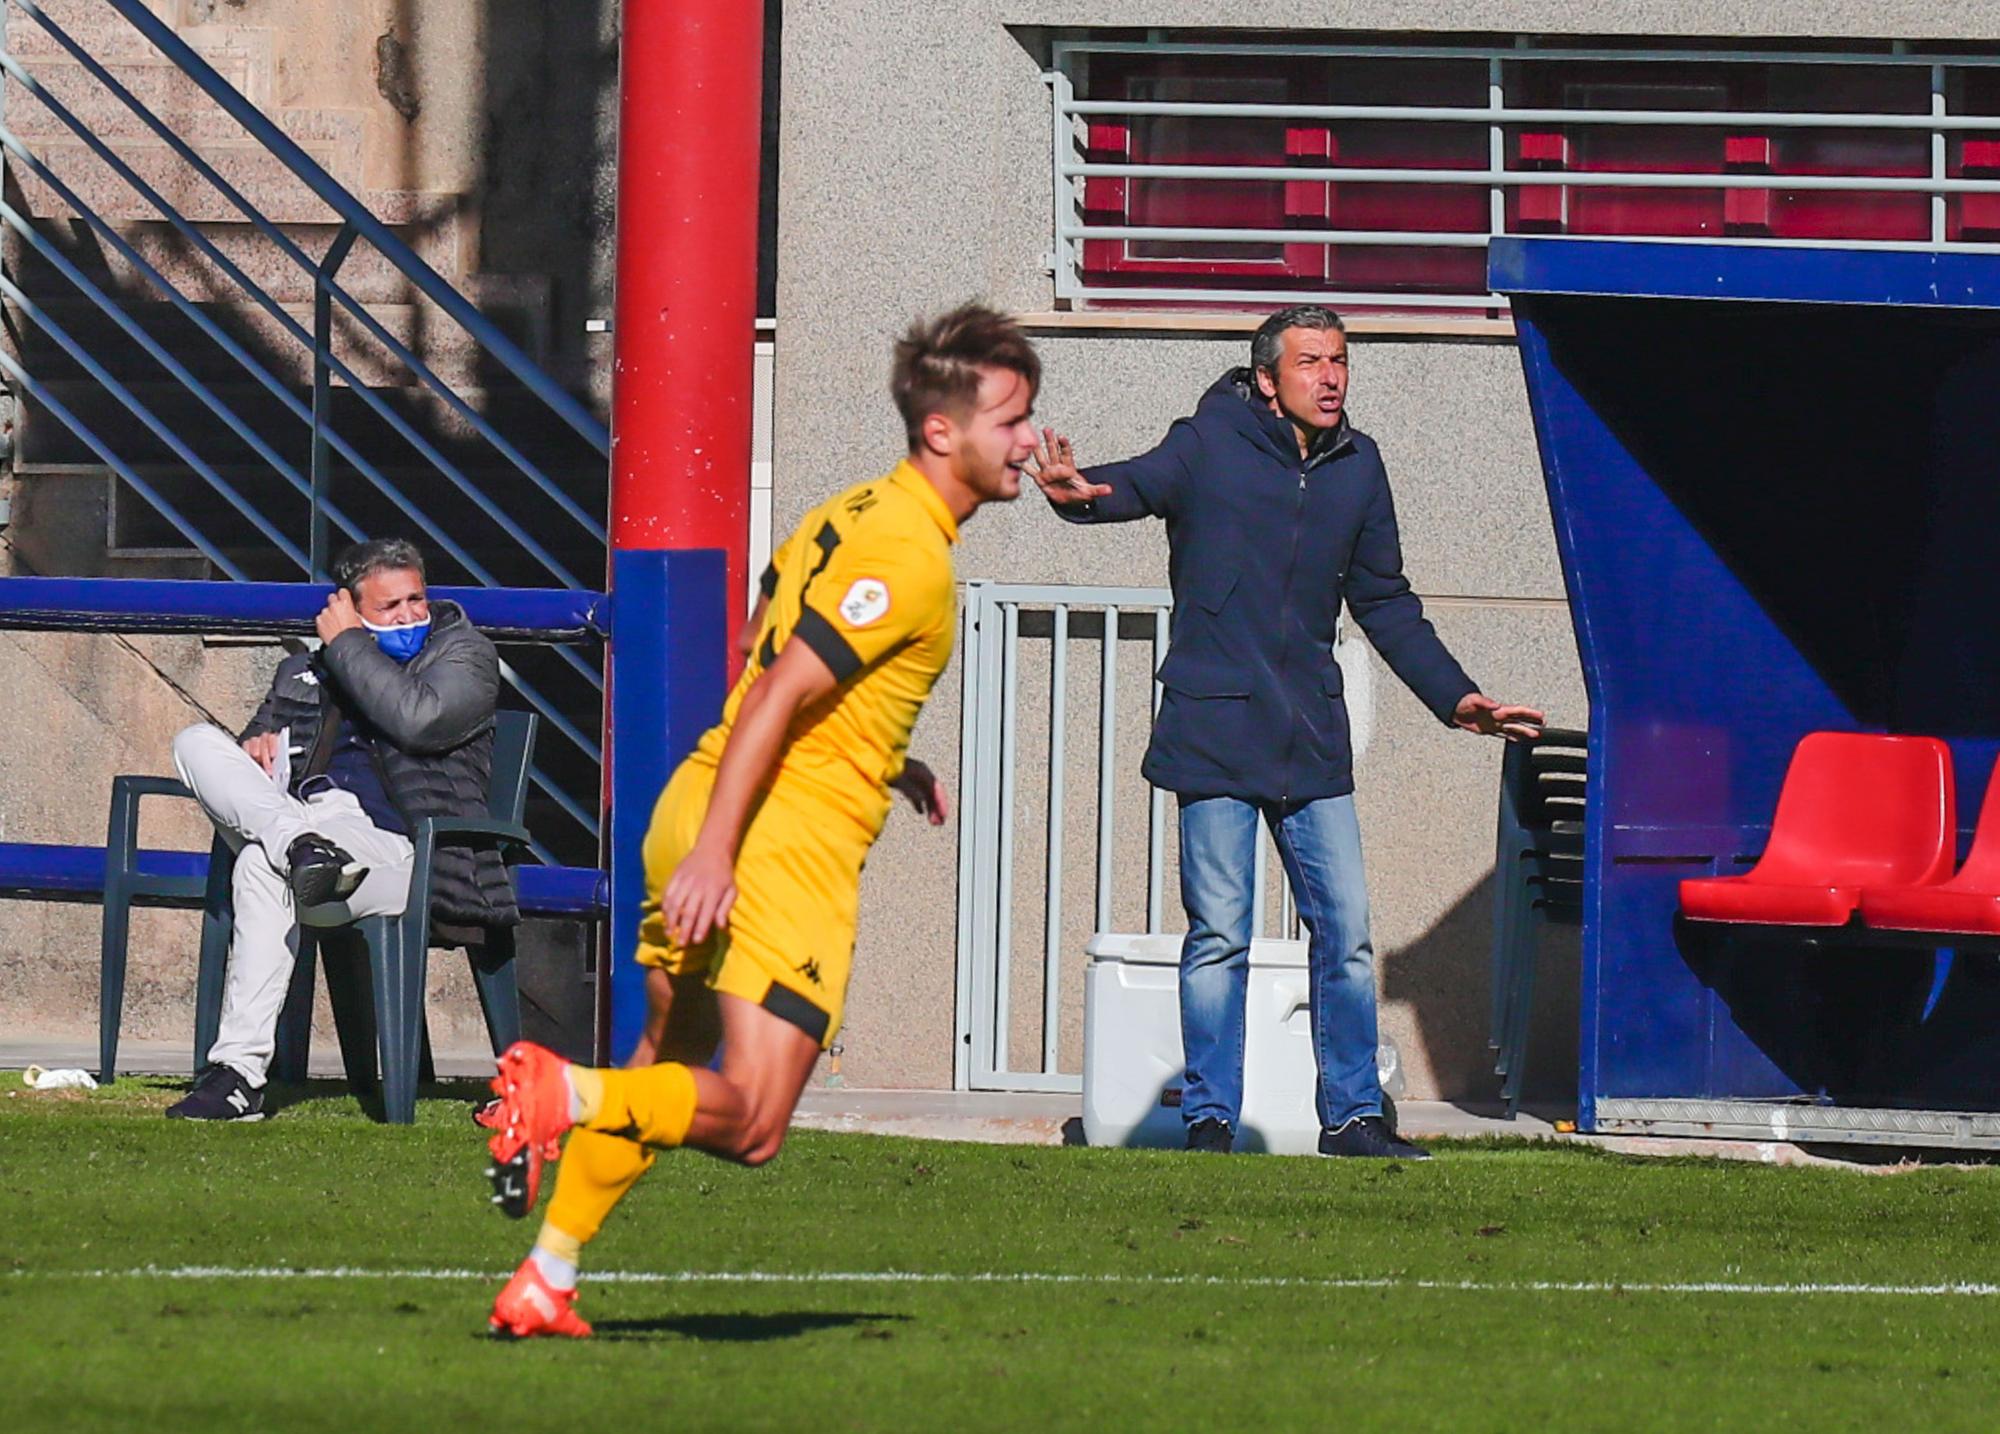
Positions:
{"x": 689, "y": 145}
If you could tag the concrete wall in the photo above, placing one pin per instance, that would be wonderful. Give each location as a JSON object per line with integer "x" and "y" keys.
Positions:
{"x": 915, "y": 174}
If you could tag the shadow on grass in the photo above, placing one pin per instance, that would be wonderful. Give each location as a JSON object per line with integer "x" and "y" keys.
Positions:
{"x": 337, "y": 1098}
{"x": 744, "y": 1328}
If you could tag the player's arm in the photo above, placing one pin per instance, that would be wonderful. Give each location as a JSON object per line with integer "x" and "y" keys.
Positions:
{"x": 703, "y": 887}
{"x": 746, "y": 635}
{"x": 924, "y": 790}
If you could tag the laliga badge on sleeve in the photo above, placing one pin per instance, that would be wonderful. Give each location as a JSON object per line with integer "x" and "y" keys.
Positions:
{"x": 866, "y": 600}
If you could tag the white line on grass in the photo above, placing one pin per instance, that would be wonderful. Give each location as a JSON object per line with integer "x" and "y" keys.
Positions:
{"x": 922, "y": 1277}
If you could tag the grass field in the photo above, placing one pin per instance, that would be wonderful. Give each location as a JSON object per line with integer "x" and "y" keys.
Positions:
{"x": 318, "y": 1271}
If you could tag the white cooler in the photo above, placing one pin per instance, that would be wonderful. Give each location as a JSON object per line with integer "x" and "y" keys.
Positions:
{"x": 1132, "y": 1067}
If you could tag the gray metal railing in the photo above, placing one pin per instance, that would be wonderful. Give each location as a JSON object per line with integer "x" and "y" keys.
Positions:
{"x": 1075, "y": 105}
{"x": 1113, "y": 810}
{"x": 559, "y": 518}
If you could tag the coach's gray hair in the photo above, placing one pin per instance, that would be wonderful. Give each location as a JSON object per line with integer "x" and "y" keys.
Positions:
{"x": 1269, "y": 341}
{"x": 377, "y": 555}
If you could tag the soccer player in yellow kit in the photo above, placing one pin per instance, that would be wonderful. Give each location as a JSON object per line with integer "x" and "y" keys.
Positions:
{"x": 754, "y": 854}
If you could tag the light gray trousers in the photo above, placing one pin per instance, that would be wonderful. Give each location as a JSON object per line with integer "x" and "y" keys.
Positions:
{"x": 261, "y": 821}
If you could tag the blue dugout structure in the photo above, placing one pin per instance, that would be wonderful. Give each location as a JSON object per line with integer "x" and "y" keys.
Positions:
{"x": 1775, "y": 481}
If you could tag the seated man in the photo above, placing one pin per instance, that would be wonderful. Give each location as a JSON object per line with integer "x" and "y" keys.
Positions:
{"x": 390, "y": 721}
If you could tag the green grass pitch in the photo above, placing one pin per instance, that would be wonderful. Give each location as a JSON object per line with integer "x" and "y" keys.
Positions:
{"x": 319, "y": 1271}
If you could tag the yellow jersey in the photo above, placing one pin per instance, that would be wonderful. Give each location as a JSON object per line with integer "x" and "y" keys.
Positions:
{"x": 867, "y": 582}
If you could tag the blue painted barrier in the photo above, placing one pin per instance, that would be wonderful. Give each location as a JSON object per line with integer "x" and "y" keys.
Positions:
{"x": 50, "y": 869}
{"x": 668, "y": 667}
{"x": 161, "y": 605}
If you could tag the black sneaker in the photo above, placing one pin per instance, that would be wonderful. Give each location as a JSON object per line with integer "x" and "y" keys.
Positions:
{"x": 219, "y": 1094}
{"x": 1211, "y": 1135}
{"x": 1369, "y": 1136}
{"x": 321, "y": 872}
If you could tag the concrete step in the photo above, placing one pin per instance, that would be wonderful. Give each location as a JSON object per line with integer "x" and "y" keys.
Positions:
{"x": 157, "y": 83}
{"x": 254, "y": 171}
{"x": 69, "y": 510}
{"x": 541, "y": 436}
{"x": 449, "y": 351}
{"x": 110, "y": 36}
{"x": 64, "y": 524}
{"x": 366, "y": 275}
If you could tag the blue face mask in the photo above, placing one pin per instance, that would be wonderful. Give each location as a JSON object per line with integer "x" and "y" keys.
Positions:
{"x": 401, "y": 643}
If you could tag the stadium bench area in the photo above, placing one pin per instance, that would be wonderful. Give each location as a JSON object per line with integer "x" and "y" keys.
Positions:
{"x": 1864, "y": 839}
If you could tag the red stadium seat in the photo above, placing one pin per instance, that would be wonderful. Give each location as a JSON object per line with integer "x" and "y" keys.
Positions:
{"x": 1968, "y": 904}
{"x": 1855, "y": 812}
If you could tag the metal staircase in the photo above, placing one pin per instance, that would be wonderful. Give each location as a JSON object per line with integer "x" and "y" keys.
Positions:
{"x": 235, "y": 389}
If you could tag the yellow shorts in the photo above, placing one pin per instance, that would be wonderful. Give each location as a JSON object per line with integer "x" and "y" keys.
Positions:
{"x": 790, "y": 941}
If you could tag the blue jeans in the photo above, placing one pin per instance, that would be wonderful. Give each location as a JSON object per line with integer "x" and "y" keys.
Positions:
{"x": 1319, "y": 844}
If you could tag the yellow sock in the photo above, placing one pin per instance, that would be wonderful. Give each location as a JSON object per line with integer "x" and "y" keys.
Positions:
{"x": 588, "y": 1087}
{"x": 595, "y": 1173}
{"x": 557, "y": 1241}
{"x": 653, "y": 1105}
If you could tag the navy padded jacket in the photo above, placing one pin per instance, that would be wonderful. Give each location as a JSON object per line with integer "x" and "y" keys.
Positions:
{"x": 1264, "y": 547}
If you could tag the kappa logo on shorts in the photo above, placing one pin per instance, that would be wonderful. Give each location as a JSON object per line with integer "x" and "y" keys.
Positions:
{"x": 809, "y": 969}
{"x": 866, "y": 600}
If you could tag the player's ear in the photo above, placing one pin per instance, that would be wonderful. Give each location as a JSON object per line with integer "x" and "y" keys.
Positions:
{"x": 938, "y": 434}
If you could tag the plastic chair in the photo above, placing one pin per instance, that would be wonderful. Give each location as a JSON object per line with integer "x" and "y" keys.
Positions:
{"x": 1537, "y": 881}
{"x": 1855, "y": 811}
{"x": 397, "y": 948}
{"x": 1966, "y": 905}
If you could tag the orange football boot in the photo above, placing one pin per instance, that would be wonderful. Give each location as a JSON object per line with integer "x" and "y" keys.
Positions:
{"x": 528, "y": 1121}
{"x": 531, "y": 1306}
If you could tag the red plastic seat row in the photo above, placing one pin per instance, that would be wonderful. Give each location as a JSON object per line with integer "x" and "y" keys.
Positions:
{"x": 1869, "y": 824}
{"x": 1966, "y": 905}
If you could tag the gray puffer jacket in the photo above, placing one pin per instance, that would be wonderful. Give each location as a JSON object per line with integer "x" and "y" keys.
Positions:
{"x": 432, "y": 719}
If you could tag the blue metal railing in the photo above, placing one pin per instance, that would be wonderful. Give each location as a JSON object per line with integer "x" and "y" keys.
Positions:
{"x": 323, "y": 358}
{"x": 533, "y": 538}
{"x": 350, "y": 209}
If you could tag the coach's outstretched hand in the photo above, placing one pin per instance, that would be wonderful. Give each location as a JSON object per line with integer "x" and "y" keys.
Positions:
{"x": 1056, "y": 474}
{"x": 1479, "y": 713}
{"x": 699, "y": 895}
{"x": 925, "y": 792}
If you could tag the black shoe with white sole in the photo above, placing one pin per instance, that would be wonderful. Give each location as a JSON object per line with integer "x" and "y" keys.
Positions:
{"x": 220, "y": 1093}
{"x": 321, "y": 872}
{"x": 1369, "y": 1137}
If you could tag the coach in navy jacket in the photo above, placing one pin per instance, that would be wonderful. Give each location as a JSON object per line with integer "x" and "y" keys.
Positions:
{"x": 1277, "y": 512}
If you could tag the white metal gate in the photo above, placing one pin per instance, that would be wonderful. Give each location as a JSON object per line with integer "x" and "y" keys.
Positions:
{"x": 1034, "y": 792}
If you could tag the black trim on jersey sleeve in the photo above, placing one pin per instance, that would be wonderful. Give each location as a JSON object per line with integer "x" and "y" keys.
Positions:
{"x": 823, "y": 638}
{"x": 768, "y": 584}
